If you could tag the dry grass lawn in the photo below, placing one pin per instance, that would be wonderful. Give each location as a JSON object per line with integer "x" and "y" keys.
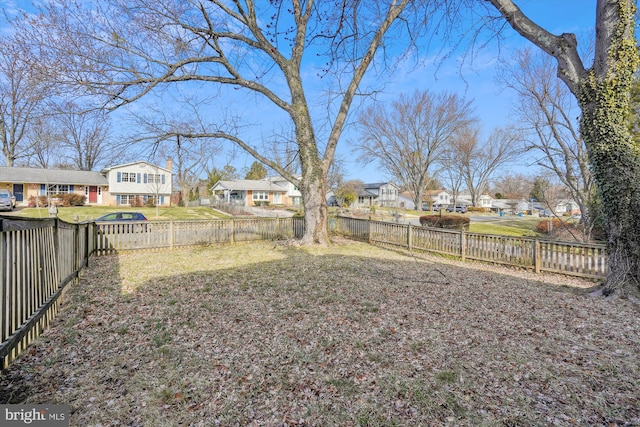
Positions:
{"x": 350, "y": 335}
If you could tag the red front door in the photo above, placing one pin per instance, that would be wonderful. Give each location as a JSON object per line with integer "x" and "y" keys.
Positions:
{"x": 93, "y": 194}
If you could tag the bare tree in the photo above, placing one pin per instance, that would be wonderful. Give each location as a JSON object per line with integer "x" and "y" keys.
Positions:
{"x": 84, "y": 134}
{"x": 479, "y": 161}
{"x": 192, "y": 158}
{"x": 545, "y": 106}
{"x": 512, "y": 186}
{"x": 408, "y": 138}
{"x": 43, "y": 151}
{"x": 127, "y": 49}
{"x": 22, "y": 93}
{"x": 602, "y": 90}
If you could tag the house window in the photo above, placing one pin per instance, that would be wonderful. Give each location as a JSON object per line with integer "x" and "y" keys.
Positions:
{"x": 260, "y": 195}
{"x": 58, "y": 189}
{"x": 130, "y": 199}
{"x": 154, "y": 178}
{"x": 128, "y": 177}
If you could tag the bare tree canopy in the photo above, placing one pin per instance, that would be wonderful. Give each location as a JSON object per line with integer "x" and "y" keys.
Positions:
{"x": 545, "y": 107}
{"x": 22, "y": 95}
{"x": 603, "y": 92}
{"x": 124, "y": 50}
{"x": 478, "y": 161}
{"x": 83, "y": 134}
{"x": 408, "y": 137}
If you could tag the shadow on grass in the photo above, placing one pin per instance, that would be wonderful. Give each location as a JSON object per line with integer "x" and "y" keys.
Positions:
{"x": 349, "y": 335}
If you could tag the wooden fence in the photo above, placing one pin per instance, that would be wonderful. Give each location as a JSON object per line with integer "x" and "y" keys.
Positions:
{"x": 573, "y": 259}
{"x": 38, "y": 259}
{"x": 117, "y": 237}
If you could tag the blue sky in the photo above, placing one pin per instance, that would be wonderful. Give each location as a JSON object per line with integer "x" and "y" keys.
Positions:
{"x": 477, "y": 82}
{"x": 474, "y": 82}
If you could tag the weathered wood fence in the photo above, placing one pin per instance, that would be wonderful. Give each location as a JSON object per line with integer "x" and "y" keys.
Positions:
{"x": 159, "y": 235}
{"x": 574, "y": 259}
{"x": 39, "y": 258}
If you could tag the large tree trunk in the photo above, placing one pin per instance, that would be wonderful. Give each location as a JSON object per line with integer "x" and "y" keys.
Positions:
{"x": 315, "y": 210}
{"x": 603, "y": 94}
{"x": 615, "y": 163}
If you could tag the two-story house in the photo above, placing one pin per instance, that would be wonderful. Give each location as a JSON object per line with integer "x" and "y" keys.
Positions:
{"x": 379, "y": 194}
{"x": 437, "y": 198}
{"x": 138, "y": 182}
{"x": 117, "y": 185}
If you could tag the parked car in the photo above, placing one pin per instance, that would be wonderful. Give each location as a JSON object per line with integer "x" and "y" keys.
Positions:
{"x": 124, "y": 222}
{"x": 457, "y": 208}
{"x": 544, "y": 213}
{"x": 7, "y": 200}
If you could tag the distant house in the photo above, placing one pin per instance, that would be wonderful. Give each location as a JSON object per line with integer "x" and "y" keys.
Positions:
{"x": 405, "y": 200}
{"x": 138, "y": 182}
{"x": 511, "y": 206}
{"x": 249, "y": 192}
{"x": 437, "y": 197}
{"x": 117, "y": 185}
{"x": 379, "y": 194}
{"x": 485, "y": 201}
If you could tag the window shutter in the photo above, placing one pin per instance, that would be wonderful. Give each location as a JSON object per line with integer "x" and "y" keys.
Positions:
{"x": 163, "y": 178}
{"x": 119, "y": 177}
{"x": 71, "y": 189}
{"x": 162, "y": 199}
{"x": 43, "y": 189}
{"x": 138, "y": 178}
{"x": 145, "y": 178}
{"x": 118, "y": 196}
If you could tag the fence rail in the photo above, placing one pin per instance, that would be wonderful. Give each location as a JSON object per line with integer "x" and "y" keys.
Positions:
{"x": 574, "y": 259}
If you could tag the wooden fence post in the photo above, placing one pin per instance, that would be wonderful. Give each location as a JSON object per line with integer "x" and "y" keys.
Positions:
{"x": 171, "y": 234}
{"x": 231, "y": 232}
{"x": 463, "y": 244}
{"x": 76, "y": 252}
{"x": 537, "y": 256}
{"x": 409, "y": 236}
{"x": 370, "y": 239}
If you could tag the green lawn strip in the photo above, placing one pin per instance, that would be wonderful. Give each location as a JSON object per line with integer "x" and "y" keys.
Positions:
{"x": 87, "y": 213}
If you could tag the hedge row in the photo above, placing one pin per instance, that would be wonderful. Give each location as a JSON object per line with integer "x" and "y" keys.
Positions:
{"x": 451, "y": 222}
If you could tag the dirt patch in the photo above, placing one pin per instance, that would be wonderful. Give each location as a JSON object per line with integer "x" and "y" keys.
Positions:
{"x": 345, "y": 335}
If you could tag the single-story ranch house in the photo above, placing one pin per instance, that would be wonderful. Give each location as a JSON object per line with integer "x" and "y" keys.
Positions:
{"x": 249, "y": 192}
{"x": 114, "y": 186}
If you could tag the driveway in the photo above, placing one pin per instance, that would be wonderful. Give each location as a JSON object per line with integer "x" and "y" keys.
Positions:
{"x": 269, "y": 213}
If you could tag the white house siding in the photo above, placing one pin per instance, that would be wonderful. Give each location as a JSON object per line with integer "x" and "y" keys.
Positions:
{"x": 139, "y": 179}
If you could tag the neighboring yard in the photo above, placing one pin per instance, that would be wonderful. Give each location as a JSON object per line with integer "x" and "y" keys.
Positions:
{"x": 351, "y": 335}
{"x": 84, "y": 213}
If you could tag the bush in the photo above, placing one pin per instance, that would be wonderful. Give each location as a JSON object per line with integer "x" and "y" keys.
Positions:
{"x": 136, "y": 202}
{"x": 72, "y": 199}
{"x": 451, "y": 222}
{"x": 40, "y": 201}
{"x": 477, "y": 209}
{"x": 544, "y": 228}
{"x": 151, "y": 202}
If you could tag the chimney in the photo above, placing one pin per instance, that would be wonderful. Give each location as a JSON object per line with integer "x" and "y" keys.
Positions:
{"x": 170, "y": 164}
